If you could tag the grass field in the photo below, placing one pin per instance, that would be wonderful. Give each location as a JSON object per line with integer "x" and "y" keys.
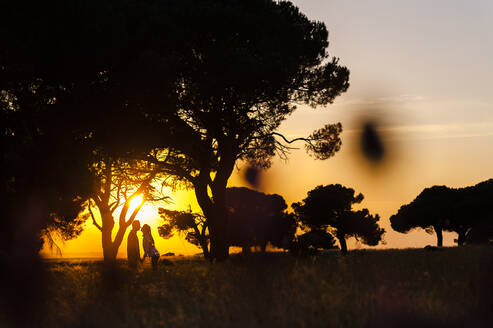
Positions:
{"x": 385, "y": 288}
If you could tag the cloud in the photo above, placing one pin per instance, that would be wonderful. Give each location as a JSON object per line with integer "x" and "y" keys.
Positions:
{"x": 378, "y": 101}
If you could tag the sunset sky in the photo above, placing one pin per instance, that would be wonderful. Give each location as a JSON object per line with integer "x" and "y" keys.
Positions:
{"x": 422, "y": 71}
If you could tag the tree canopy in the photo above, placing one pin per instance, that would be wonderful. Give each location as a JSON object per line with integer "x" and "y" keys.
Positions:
{"x": 474, "y": 213}
{"x": 431, "y": 210}
{"x": 329, "y": 208}
{"x": 257, "y": 219}
{"x": 310, "y": 242}
{"x": 190, "y": 86}
{"x": 42, "y": 166}
{"x": 466, "y": 211}
{"x": 244, "y": 67}
{"x": 71, "y": 74}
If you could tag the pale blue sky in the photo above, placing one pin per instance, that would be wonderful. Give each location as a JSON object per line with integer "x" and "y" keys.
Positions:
{"x": 439, "y": 48}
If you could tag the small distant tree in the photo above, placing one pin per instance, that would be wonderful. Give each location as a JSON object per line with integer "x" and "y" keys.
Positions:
{"x": 193, "y": 225}
{"x": 313, "y": 240}
{"x": 329, "y": 208}
{"x": 258, "y": 219}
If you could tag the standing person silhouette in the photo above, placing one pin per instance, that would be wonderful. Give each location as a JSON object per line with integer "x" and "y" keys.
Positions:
{"x": 133, "y": 251}
{"x": 148, "y": 245}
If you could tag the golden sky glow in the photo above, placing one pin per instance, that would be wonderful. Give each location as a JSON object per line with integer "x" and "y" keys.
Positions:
{"x": 88, "y": 244}
{"x": 422, "y": 70}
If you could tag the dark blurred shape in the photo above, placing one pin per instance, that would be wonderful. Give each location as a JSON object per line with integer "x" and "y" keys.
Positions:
{"x": 253, "y": 176}
{"x": 256, "y": 219}
{"x": 485, "y": 313}
{"x": 23, "y": 289}
{"x": 371, "y": 143}
{"x": 394, "y": 310}
{"x": 113, "y": 279}
{"x": 378, "y": 138}
{"x": 22, "y": 274}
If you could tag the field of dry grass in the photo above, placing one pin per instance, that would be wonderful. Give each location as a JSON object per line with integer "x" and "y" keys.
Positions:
{"x": 386, "y": 288}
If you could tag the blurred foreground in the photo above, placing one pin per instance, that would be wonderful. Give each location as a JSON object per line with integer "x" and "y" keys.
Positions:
{"x": 386, "y": 288}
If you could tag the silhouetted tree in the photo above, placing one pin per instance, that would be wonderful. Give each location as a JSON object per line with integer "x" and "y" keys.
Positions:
{"x": 45, "y": 181}
{"x": 466, "y": 211}
{"x": 312, "y": 241}
{"x": 432, "y": 210}
{"x": 463, "y": 212}
{"x": 193, "y": 225}
{"x": 146, "y": 67}
{"x": 117, "y": 183}
{"x": 66, "y": 174}
{"x": 45, "y": 159}
{"x": 472, "y": 215}
{"x": 244, "y": 67}
{"x": 257, "y": 219}
{"x": 79, "y": 69}
{"x": 45, "y": 178}
{"x": 329, "y": 208}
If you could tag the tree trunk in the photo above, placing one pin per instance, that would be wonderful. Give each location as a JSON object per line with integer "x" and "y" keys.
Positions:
{"x": 202, "y": 240}
{"x": 215, "y": 208}
{"x": 206, "y": 205}
{"x": 342, "y": 243}
{"x": 109, "y": 254}
{"x": 205, "y": 250}
{"x": 438, "y": 231}
{"x": 461, "y": 238}
{"x": 122, "y": 228}
{"x": 219, "y": 238}
{"x": 220, "y": 235}
{"x": 217, "y": 221}
{"x": 263, "y": 247}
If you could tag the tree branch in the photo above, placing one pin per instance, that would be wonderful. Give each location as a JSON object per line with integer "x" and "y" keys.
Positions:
{"x": 175, "y": 169}
{"x": 92, "y": 216}
{"x": 293, "y": 140}
{"x": 98, "y": 199}
{"x": 117, "y": 201}
{"x": 140, "y": 190}
{"x": 134, "y": 213}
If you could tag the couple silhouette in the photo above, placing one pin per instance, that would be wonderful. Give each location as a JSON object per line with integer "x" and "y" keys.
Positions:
{"x": 133, "y": 251}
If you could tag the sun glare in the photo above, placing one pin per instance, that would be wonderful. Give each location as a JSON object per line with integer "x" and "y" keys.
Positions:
{"x": 135, "y": 202}
{"x": 147, "y": 213}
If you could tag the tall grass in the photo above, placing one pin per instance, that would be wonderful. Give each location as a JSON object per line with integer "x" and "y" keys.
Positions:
{"x": 385, "y": 288}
